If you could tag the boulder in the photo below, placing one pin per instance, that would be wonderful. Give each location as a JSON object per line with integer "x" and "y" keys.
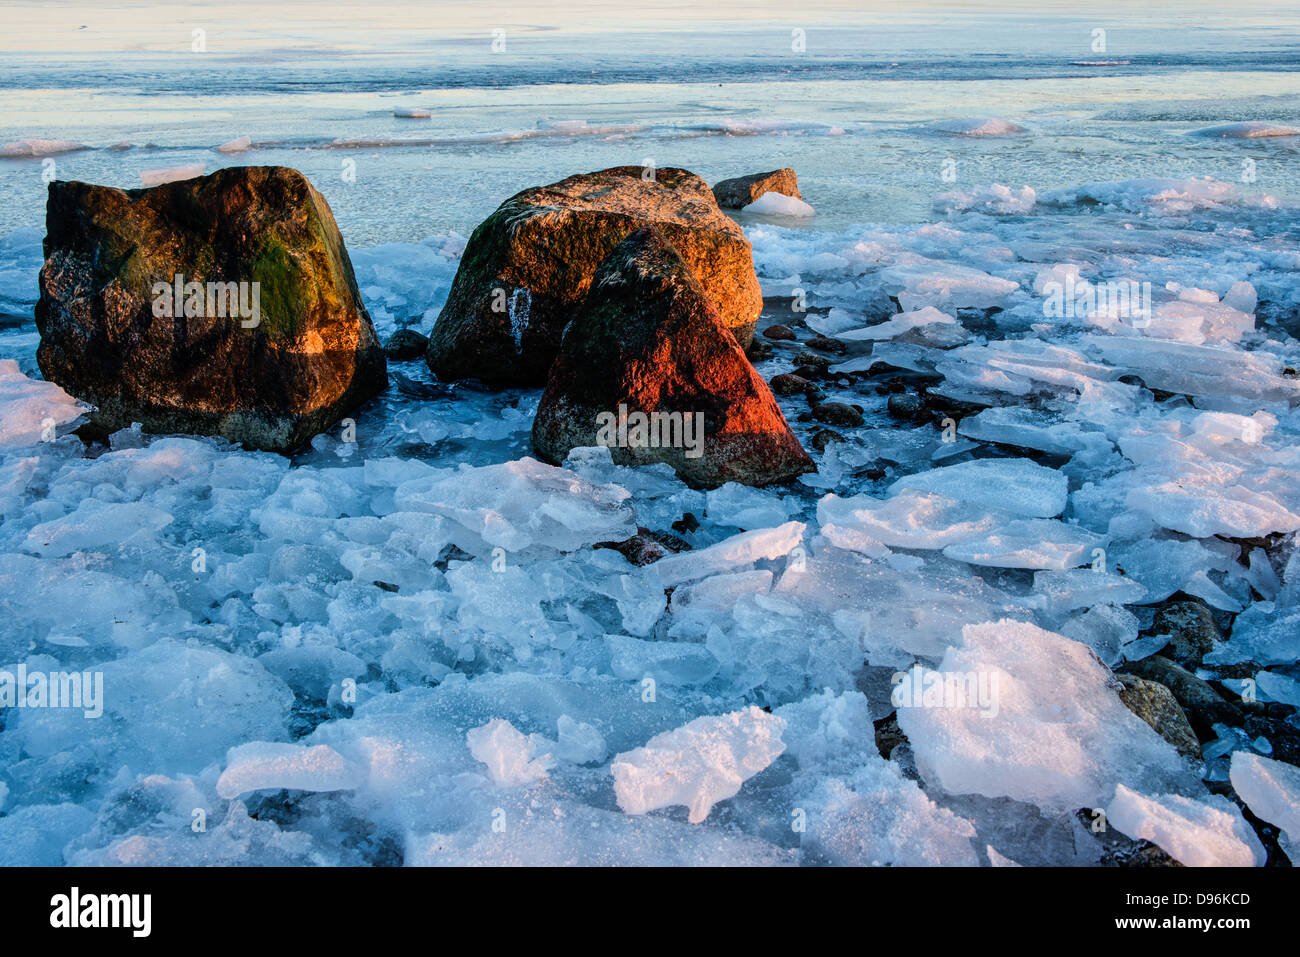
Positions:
{"x": 527, "y": 267}
{"x": 648, "y": 369}
{"x": 740, "y": 192}
{"x": 222, "y": 305}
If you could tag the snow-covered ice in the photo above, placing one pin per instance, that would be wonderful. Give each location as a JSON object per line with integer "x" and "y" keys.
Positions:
{"x": 698, "y": 764}
{"x": 1205, "y": 832}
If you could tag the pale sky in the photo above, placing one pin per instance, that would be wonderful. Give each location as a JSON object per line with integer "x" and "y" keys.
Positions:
{"x": 77, "y": 26}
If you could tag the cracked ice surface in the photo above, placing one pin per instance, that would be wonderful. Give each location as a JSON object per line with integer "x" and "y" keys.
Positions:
{"x": 360, "y": 654}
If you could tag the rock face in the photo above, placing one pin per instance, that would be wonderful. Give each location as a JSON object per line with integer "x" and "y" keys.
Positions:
{"x": 648, "y": 369}
{"x": 262, "y": 339}
{"x": 740, "y": 192}
{"x": 528, "y": 266}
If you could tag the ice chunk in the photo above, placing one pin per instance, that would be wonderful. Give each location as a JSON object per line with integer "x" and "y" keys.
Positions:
{"x": 827, "y": 731}
{"x": 1277, "y": 687}
{"x": 945, "y": 285}
{"x": 1181, "y": 504}
{"x": 897, "y": 325}
{"x": 36, "y": 147}
{"x": 1262, "y": 633}
{"x": 977, "y": 126}
{"x": 1018, "y": 486}
{"x": 1029, "y": 543}
{"x": 1106, "y": 629}
{"x": 522, "y": 505}
{"x": 1209, "y": 832}
{"x": 1024, "y": 428}
{"x": 1164, "y": 565}
{"x": 511, "y": 757}
{"x": 730, "y": 554}
{"x": 778, "y": 204}
{"x": 579, "y": 742}
{"x": 34, "y": 836}
{"x": 267, "y": 765}
{"x": 668, "y": 662}
{"x": 238, "y": 145}
{"x": 1199, "y": 370}
{"x": 32, "y": 410}
{"x": 908, "y": 519}
{"x": 1064, "y": 591}
{"x": 168, "y": 707}
{"x": 699, "y": 764}
{"x": 96, "y": 524}
{"x": 744, "y": 507}
{"x": 1249, "y": 130}
{"x": 170, "y": 174}
{"x": 1271, "y": 789}
{"x": 879, "y": 817}
{"x": 996, "y": 199}
{"x": 1057, "y": 734}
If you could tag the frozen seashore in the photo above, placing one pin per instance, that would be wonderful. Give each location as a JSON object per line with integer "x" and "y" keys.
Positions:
{"x": 377, "y": 651}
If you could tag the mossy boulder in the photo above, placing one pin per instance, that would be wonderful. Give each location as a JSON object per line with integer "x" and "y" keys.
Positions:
{"x": 527, "y": 267}
{"x": 264, "y": 340}
{"x": 649, "y": 369}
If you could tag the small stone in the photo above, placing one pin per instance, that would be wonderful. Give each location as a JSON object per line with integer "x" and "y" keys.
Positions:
{"x": 807, "y": 358}
{"x": 406, "y": 344}
{"x": 779, "y": 333}
{"x": 1192, "y": 630}
{"x": 1205, "y": 707}
{"x": 823, "y": 344}
{"x": 686, "y": 524}
{"x": 1156, "y": 705}
{"x": 646, "y": 547}
{"x": 837, "y": 413}
{"x": 824, "y": 437}
{"x": 906, "y": 406}
{"x": 787, "y": 383}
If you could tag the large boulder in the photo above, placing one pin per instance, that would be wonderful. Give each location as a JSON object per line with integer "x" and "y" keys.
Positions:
{"x": 648, "y": 369}
{"x": 528, "y": 266}
{"x": 740, "y": 192}
{"x": 262, "y": 340}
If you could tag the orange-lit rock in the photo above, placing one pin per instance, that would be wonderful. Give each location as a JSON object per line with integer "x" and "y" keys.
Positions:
{"x": 648, "y": 343}
{"x": 528, "y": 266}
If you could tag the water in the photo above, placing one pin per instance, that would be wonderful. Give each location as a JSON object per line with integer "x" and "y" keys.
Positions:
{"x": 317, "y": 92}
